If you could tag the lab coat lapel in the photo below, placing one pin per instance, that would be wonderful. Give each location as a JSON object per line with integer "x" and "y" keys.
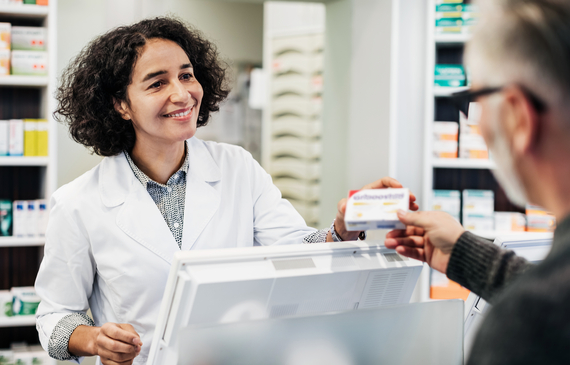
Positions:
{"x": 138, "y": 216}
{"x": 202, "y": 195}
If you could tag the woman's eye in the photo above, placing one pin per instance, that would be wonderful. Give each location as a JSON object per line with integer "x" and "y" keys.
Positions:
{"x": 156, "y": 85}
{"x": 186, "y": 76}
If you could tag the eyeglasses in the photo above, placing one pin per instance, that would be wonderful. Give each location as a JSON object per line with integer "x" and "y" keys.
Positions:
{"x": 462, "y": 99}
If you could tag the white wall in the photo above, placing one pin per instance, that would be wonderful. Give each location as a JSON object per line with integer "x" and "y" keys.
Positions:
{"x": 236, "y": 28}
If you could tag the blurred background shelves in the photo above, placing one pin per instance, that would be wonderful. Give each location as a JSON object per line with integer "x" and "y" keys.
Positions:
{"x": 8, "y": 11}
{"x": 451, "y": 38}
{"x": 21, "y": 241}
{"x": 24, "y": 161}
{"x": 439, "y": 91}
{"x": 18, "y": 321}
{"x": 462, "y": 163}
{"x": 24, "y": 81}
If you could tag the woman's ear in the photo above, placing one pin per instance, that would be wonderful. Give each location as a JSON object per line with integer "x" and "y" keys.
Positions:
{"x": 122, "y": 108}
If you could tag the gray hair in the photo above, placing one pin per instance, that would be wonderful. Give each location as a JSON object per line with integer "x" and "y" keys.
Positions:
{"x": 524, "y": 41}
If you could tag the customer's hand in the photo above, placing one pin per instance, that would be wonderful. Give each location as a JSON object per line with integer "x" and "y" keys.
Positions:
{"x": 429, "y": 237}
{"x": 339, "y": 225}
{"x": 118, "y": 344}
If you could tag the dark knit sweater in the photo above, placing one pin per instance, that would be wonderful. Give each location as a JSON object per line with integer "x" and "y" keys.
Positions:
{"x": 529, "y": 322}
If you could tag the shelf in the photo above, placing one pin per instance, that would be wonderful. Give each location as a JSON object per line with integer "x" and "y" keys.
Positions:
{"x": 18, "y": 321}
{"x": 23, "y": 11}
{"x": 462, "y": 163}
{"x": 452, "y": 38}
{"x": 447, "y": 91}
{"x": 26, "y": 81}
{"x": 21, "y": 241}
{"x": 23, "y": 161}
{"x": 491, "y": 235}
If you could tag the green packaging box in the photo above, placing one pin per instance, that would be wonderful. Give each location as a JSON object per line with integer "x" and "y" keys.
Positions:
{"x": 5, "y": 218}
{"x": 449, "y": 76}
{"x": 446, "y": 8}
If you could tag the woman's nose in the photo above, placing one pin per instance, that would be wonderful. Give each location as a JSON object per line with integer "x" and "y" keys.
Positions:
{"x": 179, "y": 93}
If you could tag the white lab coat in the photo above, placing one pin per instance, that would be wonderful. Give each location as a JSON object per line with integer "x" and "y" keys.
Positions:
{"x": 108, "y": 247}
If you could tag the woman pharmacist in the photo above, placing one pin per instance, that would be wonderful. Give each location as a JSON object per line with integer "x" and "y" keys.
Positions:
{"x": 136, "y": 96}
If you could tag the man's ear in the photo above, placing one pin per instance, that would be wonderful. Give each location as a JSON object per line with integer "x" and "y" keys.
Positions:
{"x": 522, "y": 124}
{"x": 122, "y": 108}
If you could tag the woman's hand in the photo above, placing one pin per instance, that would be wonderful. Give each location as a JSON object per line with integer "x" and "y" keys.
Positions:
{"x": 428, "y": 237}
{"x": 339, "y": 225}
{"x": 114, "y": 343}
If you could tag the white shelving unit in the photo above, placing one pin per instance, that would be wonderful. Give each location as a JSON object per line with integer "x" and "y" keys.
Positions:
{"x": 45, "y": 16}
{"x": 462, "y": 163}
{"x": 21, "y": 241}
{"x": 24, "y": 161}
{"x": 292, "y": 127}
{"x": 24, "y": 81}
{"x": 446, "y": 91}
{"x": 17, "y": 321}
{"x": 433, "y": 41}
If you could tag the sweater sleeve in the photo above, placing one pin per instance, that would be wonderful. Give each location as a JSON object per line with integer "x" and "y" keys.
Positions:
{"x": 482, "y": 267}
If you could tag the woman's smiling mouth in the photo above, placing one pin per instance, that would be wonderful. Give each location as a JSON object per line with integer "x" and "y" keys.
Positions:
{"x": 179, "y": 114}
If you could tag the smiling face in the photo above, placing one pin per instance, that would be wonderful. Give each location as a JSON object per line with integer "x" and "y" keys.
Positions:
{"x": 164, "y": 96}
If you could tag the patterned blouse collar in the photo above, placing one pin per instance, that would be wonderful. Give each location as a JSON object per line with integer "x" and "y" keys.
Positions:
{"x": 145, "y": 180}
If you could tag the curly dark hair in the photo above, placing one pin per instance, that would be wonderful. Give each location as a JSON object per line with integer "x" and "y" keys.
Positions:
{"x": 98, "y": 77}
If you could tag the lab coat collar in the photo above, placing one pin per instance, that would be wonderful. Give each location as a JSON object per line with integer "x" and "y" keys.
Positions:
{"x": 202, "y": 195}
{"x": 141, "y": 219}
{"x": 117, "y": 179}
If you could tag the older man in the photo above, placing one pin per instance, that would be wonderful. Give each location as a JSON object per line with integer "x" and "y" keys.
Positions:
{"x": 520, "y": 65}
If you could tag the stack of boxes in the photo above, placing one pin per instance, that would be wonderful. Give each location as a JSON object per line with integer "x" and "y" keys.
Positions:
{"x": 468, "y": 143}
{"x": 510, "y": 222}
{"x": 23, "y": 50}
{"x": 539, "y": 220}
{"x": 445, "y": 139}
{"x": 296, "y": 103}
{"x": 24, "y": 137}
{"x": 23, "y": 218}
{"x": 19, "y": 301}
{"x": 449, "y": 76}
{"x": 471, "y": 142}
{"x": 27, "y": 2}
{"x": 448, "y": 201}
{"x": 441, "y": 287}
{"x": 478, "y": 210}
{"x": 22, "y": 354}
{"x": 454, "y": 17}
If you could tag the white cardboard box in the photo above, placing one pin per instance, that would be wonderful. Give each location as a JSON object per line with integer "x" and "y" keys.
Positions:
{"x": 376, "y": 209}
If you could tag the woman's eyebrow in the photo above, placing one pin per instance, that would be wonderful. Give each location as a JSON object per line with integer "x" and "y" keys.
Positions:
{"x": 162, "y": 72}
{"x": 154, "y": 74}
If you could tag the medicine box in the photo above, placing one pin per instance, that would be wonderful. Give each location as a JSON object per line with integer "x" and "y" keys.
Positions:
{"x": 478, "y": 201}
{"x": 471, "y": 141}
{"x": 16, "y": 137}
{"x": 445, "y": 139}
{"x": 5, "y": 30}
{"x": 448, "y": 201}
{"x": 376, "y": 209}
{"x": 25, "y": 301}
{"x": 29, "y": 218}
{"x": 6, "y": 218}
{"x": 449, "y": 76}
{"x": 478, "y": 209}
{"x": 4, "y": 137}
{"x": 449, "y": 25}
{"x": 30, "y": 63}
{"x": 539, "y": 219}
{"x": 510, "y": 222}
{"x": 30, "y": 138}
{"x": 5, "y": 56}
{"x": 29, "y": 38}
